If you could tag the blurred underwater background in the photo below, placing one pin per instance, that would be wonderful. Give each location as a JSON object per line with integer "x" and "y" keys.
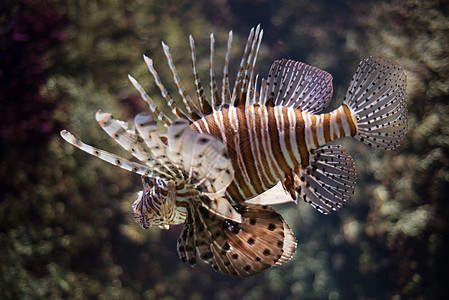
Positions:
{"x": 66, "y": 229}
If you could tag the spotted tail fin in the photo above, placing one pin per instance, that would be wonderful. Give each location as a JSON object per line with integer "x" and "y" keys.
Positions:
{"x": 377, "y": 98}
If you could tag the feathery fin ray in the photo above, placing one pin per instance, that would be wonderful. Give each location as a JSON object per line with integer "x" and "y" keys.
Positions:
{"x": 148, "y": 131}
{"x": 193, "y": 110}
{"x": 112, "y": 158}
{"x": 151, "y": 104}
{"x": 116, "y": 129}
{"x": 328, "y": 181}
{"x": 262, "y": 240}
{"x": 300, "y": 86}
{"x": 206, "y": 108}
{"x": 377, "y": 98}
{"x": 207, "y": 164}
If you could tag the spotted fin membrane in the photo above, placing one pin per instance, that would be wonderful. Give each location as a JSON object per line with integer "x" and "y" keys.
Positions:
{"x": 243, "y": 249}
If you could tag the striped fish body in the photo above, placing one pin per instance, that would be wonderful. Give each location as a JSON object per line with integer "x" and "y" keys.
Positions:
{"x": 184, "y": 181}
{"x": 267, "y": 144}
{"x": 273, "y": 132}
{"x": 226, "y": 159}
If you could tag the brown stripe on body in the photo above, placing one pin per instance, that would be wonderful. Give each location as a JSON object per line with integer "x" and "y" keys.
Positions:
{"x": 275, "y": 144}
{"x": 332, "y": 124}
{"x": 335, "y": 135}
{"x": 212, "y": 128}
{"x": 202, "y": 125}
{"x": 264, "y": 152}
{"x": 340, "y": 123}
{"x": 313, "y": 128}
{"x": 259, "y": 154}
{"x": 234, "y": 192}
{"x": 339, "y": 120}
{"x": 326, "y": 128}
{"x": 348, "y": 115}
{"x": 288, "y": 142}
{"x": 238, "y": 174}
{"x": 216, "y": 131}
{"x": 301, "y": 139}
{"x": 249, "y": 157}
{"x": 269, "y": 135}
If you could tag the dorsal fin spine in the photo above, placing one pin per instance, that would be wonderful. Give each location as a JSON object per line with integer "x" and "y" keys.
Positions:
{"x": 164, "y": 92}
{"x": 215, "y": 98}
{"x": 192, "y": 109}
{"x": 244, "y": 88}
{"x": 226, "y": 91}
{"x": 253, "y": 82}
{"x": 151, "y": 104}
{"x": 202, "y": 99}
{"x": 236, "y": 93}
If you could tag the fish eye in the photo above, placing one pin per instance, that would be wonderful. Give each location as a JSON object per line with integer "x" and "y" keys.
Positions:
{"x": 147, "y": 181}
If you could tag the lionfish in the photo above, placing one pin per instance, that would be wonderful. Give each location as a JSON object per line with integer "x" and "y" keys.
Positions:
{"x": 226, "y": 159}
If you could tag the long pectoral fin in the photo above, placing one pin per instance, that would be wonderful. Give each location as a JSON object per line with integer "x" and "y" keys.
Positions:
{"x": 328, "y": 181}
{"x": 221, "y": 206}
{"x": 147, "y": 128}
{"x": 186, "y": 245}
{"x": 262, "y": 240}
{"x": 148, "y": 170}
{"x": 122, "y": 135}
{"x": 202, "y": 157}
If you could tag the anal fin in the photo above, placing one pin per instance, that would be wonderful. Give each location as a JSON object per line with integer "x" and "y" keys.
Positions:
{"x": 328, "y": 181}
{"x": 221, "y": 207}
{"x": 276, "y": 195}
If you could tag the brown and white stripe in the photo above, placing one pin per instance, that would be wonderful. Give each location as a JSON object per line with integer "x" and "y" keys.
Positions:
{"x": 267, "y": 143}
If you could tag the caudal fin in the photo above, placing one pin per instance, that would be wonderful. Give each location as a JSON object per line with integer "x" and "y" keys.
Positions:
{"x": 377, "y": 97}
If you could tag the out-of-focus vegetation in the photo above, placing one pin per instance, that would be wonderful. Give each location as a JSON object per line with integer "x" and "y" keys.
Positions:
{"x": 65, "y": 218}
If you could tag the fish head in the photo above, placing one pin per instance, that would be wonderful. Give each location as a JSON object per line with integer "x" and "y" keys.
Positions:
{"x": 156, "y": 204}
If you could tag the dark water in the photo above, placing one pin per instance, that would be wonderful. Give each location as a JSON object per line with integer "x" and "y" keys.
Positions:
{"x": 65, "y": 218}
